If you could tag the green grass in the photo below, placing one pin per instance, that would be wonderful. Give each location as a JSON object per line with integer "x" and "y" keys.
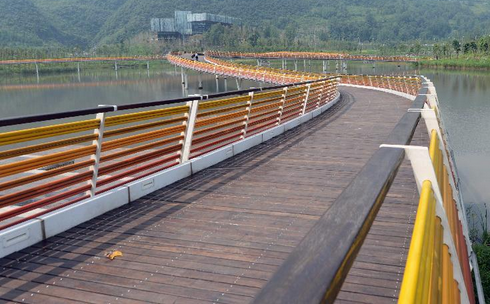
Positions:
{"x": 482, "y": 252}
{"x": 463, "y": 62}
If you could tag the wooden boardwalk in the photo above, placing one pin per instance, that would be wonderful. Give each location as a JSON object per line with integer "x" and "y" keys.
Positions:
{"x": 219, "y": 235}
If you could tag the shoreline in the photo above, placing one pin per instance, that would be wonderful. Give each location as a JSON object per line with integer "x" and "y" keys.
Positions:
{"x": 466, "y": 64}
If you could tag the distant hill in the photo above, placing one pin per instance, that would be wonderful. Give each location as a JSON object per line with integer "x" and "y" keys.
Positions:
{"x": 91, "y": 22}
{"x": 23, "y": 23}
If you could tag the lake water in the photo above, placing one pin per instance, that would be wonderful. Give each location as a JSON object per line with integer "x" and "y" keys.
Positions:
{"x": 463, "y": 95}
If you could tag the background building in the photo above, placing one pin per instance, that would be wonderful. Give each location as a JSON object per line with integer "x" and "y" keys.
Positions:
{"x": 185, "y": 23}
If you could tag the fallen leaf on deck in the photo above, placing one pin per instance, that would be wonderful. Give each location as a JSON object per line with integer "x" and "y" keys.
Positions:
{"x": 112, "y": 255}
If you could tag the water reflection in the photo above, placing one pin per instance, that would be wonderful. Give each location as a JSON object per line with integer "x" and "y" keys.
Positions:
{"x": 465, "y": 107}
{"x": 22, "y": 95}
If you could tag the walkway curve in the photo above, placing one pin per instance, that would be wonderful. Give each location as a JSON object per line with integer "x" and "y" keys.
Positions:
{"x": 219, "y": 235}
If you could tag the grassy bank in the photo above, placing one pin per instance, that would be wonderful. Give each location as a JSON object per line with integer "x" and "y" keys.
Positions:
{"x": 71, "y": 67}
{"x": 463, "y": 63}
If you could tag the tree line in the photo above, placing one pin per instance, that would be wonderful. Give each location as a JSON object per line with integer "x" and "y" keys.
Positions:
{"x": 455, "y": 47}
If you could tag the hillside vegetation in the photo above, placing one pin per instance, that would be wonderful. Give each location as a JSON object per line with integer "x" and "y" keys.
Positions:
{"x": 86, "y": 23}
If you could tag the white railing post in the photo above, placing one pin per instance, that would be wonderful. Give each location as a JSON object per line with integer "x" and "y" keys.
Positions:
{"x": 281, "y": 107}
{"x": 98, "y": 148}
{"x": 189, "y": 130}
{"x": 247, "y": 118}
{"x": 320, "y": 96}
{"x": 306, "y": 98}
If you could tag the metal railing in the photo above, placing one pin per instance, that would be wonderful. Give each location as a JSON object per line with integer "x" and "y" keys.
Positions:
{"x": 311, "y": 55}
{"x": 45, "y": 168}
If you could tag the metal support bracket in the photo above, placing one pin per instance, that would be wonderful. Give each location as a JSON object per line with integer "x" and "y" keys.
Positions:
{"x": 189, "y": 130}
{"x": 98, "y": 148}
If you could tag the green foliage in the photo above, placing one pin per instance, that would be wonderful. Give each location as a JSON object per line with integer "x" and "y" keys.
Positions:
{"x": 476, "y": 54}
{"x": 86, "y": 23}
{"x": 482, "y": 252}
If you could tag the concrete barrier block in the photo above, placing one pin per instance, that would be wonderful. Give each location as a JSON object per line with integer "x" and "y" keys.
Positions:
{"x": 266, "y": 135}
{"x": 246, "y": 144}
{"x": 211, "y": 159}
{"x": 306, "y": 117}
{"x": 316, "y": 112}
{"x": 61, "y": 220}
{"x": 19, "y": 237}
{"x": 292, "y": 124}
{"x": 158, "y": 180}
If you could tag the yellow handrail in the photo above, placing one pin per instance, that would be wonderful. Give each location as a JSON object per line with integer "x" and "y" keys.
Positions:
{"x": 420, "y": 263}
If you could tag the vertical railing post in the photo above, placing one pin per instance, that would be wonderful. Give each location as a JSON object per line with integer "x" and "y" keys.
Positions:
{"x": 320, "y": 96}
{"x": 281, "y": 107}
{"x": 247, "y": 118}
{"x": 98, "y": 148}
{"x": 189, "y": 130}
{"x": 306, "y": 98}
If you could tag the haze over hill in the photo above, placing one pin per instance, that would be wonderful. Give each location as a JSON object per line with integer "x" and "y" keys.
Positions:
{"x": 90, "y": 22}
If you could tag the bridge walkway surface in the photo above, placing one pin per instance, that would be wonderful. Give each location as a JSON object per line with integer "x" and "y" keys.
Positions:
{"x": 219, "y": 235}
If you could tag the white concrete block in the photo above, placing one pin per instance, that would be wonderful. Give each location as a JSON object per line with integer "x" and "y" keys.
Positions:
{"x": 292, "y": 124}
{"x": 306, "y": 117}
{"x": 61, "y": 220}
{"x": 316, "y": 112}
{"x": 154, "y": 182}
{"x": 247, "y": 143}
{"x": 212, "y": 158}
{"x": 266, "y": 135}
{"x": 20, "y": 236}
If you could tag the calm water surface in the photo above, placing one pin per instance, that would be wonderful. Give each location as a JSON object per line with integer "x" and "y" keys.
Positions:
{"x": 464, "y": 98}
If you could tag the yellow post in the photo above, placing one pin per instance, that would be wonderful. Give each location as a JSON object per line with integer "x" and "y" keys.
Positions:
{"x": 435, "y": 282}
{"x": 447, "y": 276}
{"x": 411, "y": 290}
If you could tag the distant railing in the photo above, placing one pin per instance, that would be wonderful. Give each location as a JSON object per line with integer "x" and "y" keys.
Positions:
{"x": 262, "y": 74}
{"x": 79, "y": 59}
{"x": 405, "y": 84}
{"x": 45, "y": 168}
{"x": 311, "y": 55}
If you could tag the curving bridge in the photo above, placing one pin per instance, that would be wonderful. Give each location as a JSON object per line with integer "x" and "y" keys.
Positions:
{"x": 317, "y": 189}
